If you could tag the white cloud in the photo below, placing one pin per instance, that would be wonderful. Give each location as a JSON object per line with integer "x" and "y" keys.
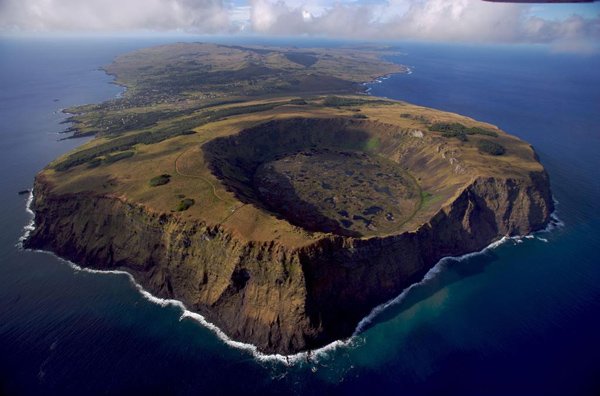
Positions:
{"x": 114, "y": 15}
{"x": 442, "y": 20}
{"x": 279, "y": 17}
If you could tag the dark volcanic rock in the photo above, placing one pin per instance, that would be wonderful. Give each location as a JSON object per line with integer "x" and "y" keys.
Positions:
{"x": 281, "y": 299}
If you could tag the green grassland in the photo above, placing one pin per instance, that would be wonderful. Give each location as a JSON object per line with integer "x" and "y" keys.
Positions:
{"x": 200, "y": 131}
{"x": 182, "y": 79}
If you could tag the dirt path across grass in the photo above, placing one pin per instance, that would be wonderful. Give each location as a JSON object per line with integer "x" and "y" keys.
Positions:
{"x": 204, "y": 179}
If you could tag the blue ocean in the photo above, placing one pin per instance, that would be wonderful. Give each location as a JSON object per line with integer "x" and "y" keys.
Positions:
{"x": 521, "y": 318}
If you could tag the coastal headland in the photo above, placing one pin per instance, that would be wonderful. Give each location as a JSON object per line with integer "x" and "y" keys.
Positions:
{"x": 257, "y": 186}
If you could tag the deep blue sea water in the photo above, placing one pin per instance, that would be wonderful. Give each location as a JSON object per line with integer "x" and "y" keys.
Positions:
{"x": 523, "y": 318}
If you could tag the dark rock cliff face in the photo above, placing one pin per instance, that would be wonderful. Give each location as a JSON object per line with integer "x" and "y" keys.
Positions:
{"x": 280, "y": 299}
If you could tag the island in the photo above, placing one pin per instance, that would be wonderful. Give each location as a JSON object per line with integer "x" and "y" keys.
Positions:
{"x": 262, "y": 188}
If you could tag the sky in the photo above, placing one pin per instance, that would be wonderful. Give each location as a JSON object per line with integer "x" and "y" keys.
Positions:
{"x": 569, "y": 27}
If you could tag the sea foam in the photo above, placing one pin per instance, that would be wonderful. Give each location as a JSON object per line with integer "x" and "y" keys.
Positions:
{"x": 31, "y": 225}
{"x": 313, "y": 356}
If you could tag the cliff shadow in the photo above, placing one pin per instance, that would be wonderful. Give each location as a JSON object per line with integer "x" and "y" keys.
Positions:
{"x": 234, "y": 160}
{"x": 283, "y": 200}
{"x": 454, "y": 270}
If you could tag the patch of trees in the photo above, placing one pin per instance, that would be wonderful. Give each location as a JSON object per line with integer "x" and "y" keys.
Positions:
{"x": 298, "y": 101}
{"x": 184, "y": 204}
{"x": 105, "y": 122}
{"x": 415, "y": 117}
{"x": 215, "y": 115}
{"x": 489, "y": 147}
{"x": 338, "y": 101}
{"x": 110, "y": 158}
{"x": 118, "y": 144}
{"x": 160, "y": 180}
{"x": 177, "y": 128}
{"x": 459, "y": 131}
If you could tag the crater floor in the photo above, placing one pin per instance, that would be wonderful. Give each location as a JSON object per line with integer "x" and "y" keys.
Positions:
{"x": 287, "y": 224}
{"x": 344, "y": 192}
{"x": 250, "y": 184}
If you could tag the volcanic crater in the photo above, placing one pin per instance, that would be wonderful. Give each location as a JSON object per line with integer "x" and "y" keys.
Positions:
{"x": 318, "y": 174}
{"x": 304, "y": 217}
{"x": 254, "y": 188}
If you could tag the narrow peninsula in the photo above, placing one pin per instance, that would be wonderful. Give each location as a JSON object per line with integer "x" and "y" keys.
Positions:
{"x": 261, "y": 189}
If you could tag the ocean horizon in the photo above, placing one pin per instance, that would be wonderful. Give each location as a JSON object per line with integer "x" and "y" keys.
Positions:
{"x": 506, "y": 319}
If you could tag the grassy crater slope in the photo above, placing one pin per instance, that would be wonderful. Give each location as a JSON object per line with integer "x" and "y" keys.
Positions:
{"x": 283, "y": 219}
{"x": 322, "y": 174}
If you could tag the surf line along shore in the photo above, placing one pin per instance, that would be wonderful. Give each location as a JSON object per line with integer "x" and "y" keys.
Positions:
{"x": 295, "y": 271}
{"x": 311, "y": 356}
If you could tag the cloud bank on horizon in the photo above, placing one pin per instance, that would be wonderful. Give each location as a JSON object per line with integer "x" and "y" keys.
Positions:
{"x": 439, "y": 20}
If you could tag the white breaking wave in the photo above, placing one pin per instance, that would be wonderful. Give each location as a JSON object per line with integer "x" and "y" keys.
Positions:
{"x": 555, "y": 221}
{"x": 431, "y": 274}
{"x": 121, "y": 94}
{"x": 31, "y": 225}
{"x": 312, "y": 356}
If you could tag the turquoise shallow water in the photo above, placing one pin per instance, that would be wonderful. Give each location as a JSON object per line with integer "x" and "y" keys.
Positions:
{"x": 521, "y": 318}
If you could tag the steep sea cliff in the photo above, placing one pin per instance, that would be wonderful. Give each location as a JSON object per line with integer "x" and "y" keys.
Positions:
{"x": 281, "y": 299}
{"x": 507, "y": 319}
